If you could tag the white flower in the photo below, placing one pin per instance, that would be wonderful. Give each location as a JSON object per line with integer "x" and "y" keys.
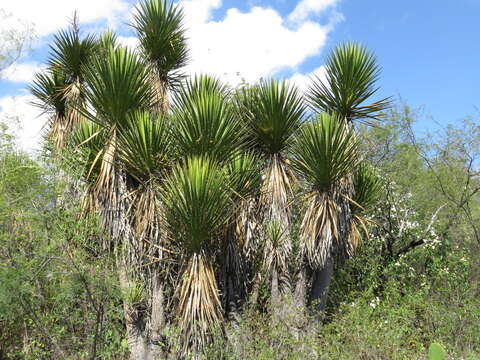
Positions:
{"x": 374, "y": 303}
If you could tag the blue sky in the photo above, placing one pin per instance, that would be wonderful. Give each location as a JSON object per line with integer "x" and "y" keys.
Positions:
{"x": 429, "y": 50}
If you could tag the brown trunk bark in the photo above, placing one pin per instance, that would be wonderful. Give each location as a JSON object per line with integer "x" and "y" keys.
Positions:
{"x": 157, "y": 320}
{"x": 116, "y": 220}
{"x": 137, "y": 343}
{"x": 275, "y": 292}
{"x": 320, "y": 285}
{"x": 300, "y": 295}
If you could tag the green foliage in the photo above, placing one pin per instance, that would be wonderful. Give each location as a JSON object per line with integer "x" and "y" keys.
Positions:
{"x": 58, "y": 293}
{"x": 160, "y": 30}
{"x": 108, "y": 41}
{"x": 325, "y": 151}
{"x": 436, "y": 352}
{"x": 87, "y": 142}
{"x": 274, "y": 112}
{"x": 244, "y": 173}
{"x": 70, "y": 54}
{"x": 206, "y": 124}
{"x": 367, "y": 185}
{"x": 47, "y": 87}
{"x": 351, "y": 76}
{"x": 197, "y": 203}
{"x": 145, "y": 145}
{"x": 196, "y": 85}
{"x": 117, "y": 86}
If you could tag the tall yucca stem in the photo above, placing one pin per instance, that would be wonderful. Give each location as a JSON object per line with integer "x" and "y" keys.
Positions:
{"x": 276, "y": 188}
{"x": 325, "y": 156}
{"x": 274, "y": 111}
{"x": 161, "y": 95}
{"x": 199, "y": 302}
{"x": 319, "y": 228}
{"x": 235, "y": 269}
{"x": 198, "y": 206}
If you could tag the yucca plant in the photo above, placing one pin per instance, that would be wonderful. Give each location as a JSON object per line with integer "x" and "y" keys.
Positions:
{"x": 145, "y": 154}
{"x": 351, "y": 76}
{"x": 236, "y": 258}
{"x": 274, "y": 111}
{"x": 275, "y": 262}
{"x": 69, "y": 56}
{"x": 205, "y": 121}
{"x": 198, "y": 204}
{"x": 117, "y": 87}
{"x": 244, "y": 174}
{"x": 325, "y": 154}
{"x": 47, "y": 87}
{"x": 87, "y": 143}
{"x": 107, "y": 41}
{"x": 200, "y": 83}
{"x": 163, "y": 43}
{"x": 205, "y": 124}
{"x": 144, "y": 147}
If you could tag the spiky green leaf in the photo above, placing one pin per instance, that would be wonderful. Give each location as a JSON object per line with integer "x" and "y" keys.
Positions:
{"x": 117, "y": 86}
{"x": 367, "y": 185}
{"x": 206, "y": 123}
{"x": 325, "y": 151}
{"x": 160, "y": 31}
{"x": 352, "y": 74}
{"x": 245, "y": 175}
{"x": 69, "y": 53}
{"x": 274, "y": 111}
{"x": 145, "y": 145}
{"x": 197, "y": 203}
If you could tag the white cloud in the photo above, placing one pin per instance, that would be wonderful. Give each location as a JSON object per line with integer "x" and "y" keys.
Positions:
{"x": 306, "y": 8}
{"x": 253, "y": 44}
{"x": 48, "y": 16}
{"x": 130, "y": 42}
{"x": 25, "y": 120}
{"x": 303, "y": 81}
{"x": 248, "y": 45}
{"x": 198, "y": 12}
{"x": 21, "y": 72}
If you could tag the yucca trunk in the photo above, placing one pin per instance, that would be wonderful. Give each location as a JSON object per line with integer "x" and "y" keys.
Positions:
{"x": 240, "y": 247}
{"x": 199, "y": 308}
{"x": 157, "y": 320}
{"x": 234, "y": 273}
{"x": 329, "y": 217}
{"x": 137, "y": 343}
{"x": 153, "y": 238}
{"x": 274, "y": 204}
{"x": 112, "y": 191}
{"x": 117, "y": 222}
{"x": 146, "y": 256}
{"x": 338, "y": 244}
{"x": 321, "y": 279}
{"x": 161, "y": 100}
